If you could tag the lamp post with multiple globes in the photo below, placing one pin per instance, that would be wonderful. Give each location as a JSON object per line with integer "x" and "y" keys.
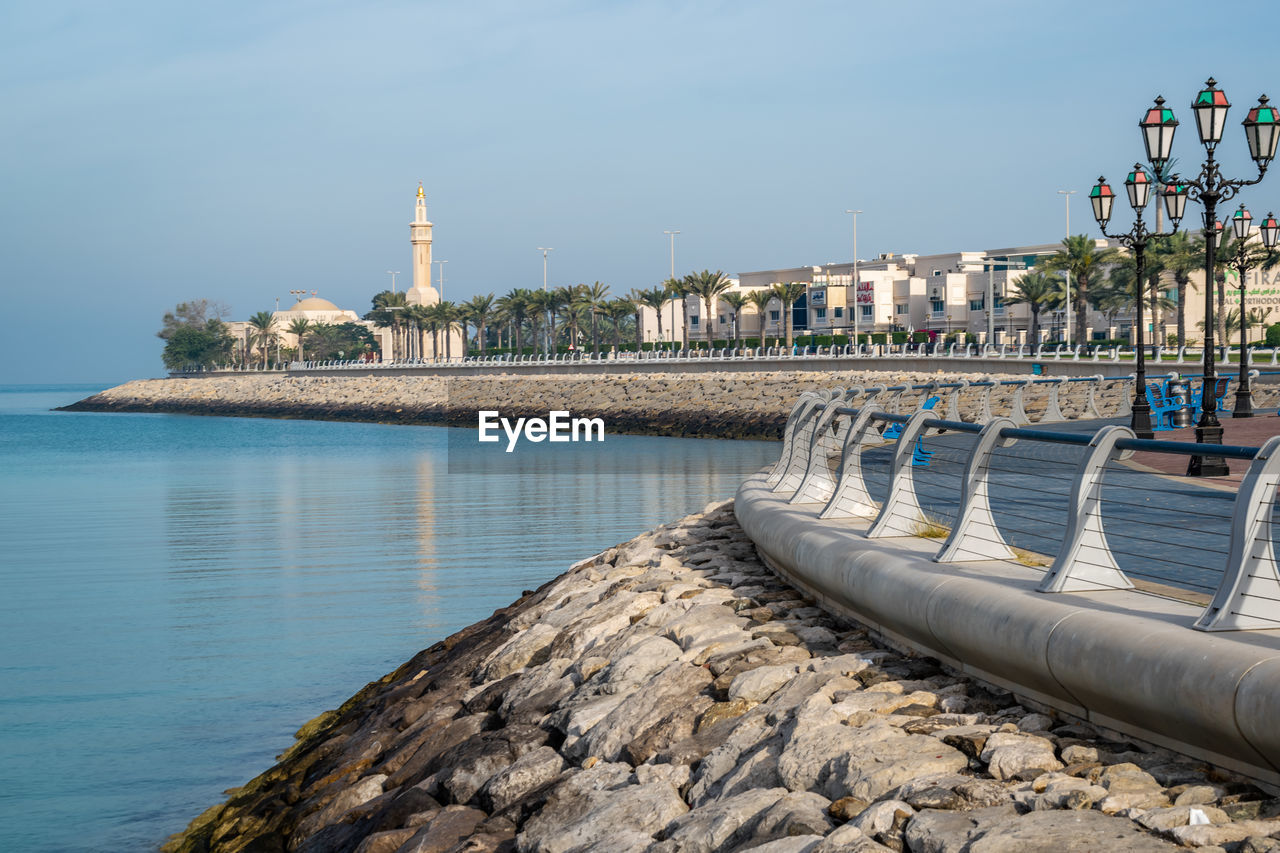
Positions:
{"x": 1262, "y": 130}
{"x": 1138, "y": 186}
{"x": 1242, "y": 260}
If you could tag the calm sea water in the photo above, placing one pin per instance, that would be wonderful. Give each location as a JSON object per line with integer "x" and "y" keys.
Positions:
{"x": 181, "y": 593}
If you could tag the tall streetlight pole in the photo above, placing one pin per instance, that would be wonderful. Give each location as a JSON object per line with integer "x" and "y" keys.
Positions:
{"x": 393, "y": 279}
{"x": 442, "y": 263}
{"x": 1138, "y": 185}
{"x": 853, "y": 278}
{"x": 1066, "y": 196}
{"x": 1262, "y": 130}
{"x": 672, "y": 235}
{"x": 544, "y": 265}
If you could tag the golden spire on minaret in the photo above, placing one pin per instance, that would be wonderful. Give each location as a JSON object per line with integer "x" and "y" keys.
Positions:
{"x": 420, "y": 194}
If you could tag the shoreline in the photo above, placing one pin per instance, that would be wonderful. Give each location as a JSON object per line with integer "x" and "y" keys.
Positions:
{"x": 672, "y": 694}
{"x": 710, "y": 404}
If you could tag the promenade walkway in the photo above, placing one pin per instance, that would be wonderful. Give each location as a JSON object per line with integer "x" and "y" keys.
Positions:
{"x": 1164, "y": 528}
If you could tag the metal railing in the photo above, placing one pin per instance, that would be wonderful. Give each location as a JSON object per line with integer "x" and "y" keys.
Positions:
{"x": 1110, "y": 354}
{"x": 995, "y": 486}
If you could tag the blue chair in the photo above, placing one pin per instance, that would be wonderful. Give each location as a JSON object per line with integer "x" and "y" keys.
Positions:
{"x": 919, "y": 456}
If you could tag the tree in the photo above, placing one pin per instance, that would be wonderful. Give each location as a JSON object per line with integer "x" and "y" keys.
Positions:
{"x": 636, "y": 307}
{"x": 514, "y": 307}
{"x": 1180, "y": 255}
{"x": 481, "y": 310}
{"x": 655, "y": 298}
{"x": 416, "y": 319}
{"x": 387, "y": 307}
{"x": 299, "y": 328}
{"x": 618, "y": 311}
{"x": 737, "y": 301}
{"x": 195, "y": 335}
{"x": 679, "y": 289}
{"x": 1083, "y": 262}
{"x": 264, "y": 326}
{"x": 198, "y": 346}
{"x": 595, "y": 296}
{"x": 787, "y": 294}
{"x": 445, "y": 316}
{"x": 540, "y": 304}
{"x": 708, "y": 286}
{"x": 1037, "y": 290}
{"x": 761, "y": 299}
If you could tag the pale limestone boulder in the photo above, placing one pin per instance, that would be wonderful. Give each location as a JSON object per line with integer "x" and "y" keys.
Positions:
{"x": 882, "y": 765}
{"x": 879, "y": 818}
{"x": 759, "y": 684}
{"x": 1065, "y": 832}
{"x": 1163, "y": 819}
{"x": 798, "y": 813}
{"x": 525, "y": 775}
{"x": 516, "y": 653}
{"x": 933, "y": 831}
{"x": 348, "y": 798}
{"x": 577, "y": 819}
{"x": 1008, "y": 754}
{"x": 674, "y": 685}
{"x": 710, "y": 827}
{"x": 794, "y": 844}
{"x": 640, "y": 663}
{"x": 849, "y": 839}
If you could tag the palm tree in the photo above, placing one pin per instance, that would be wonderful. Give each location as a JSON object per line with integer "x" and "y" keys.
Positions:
{"x": 1180, "y": 255}
{"x": 387, "y": 307}
{"x": 299, "y": 328}
{"x": 637, "y": 307}
{"x": 515, "y": 307}
{"x": 264, "y": 326}
{"x": 445, "y": 315}
{"x": 618, "y": 311}
{"x": 595, "y": 296}
{"x": 708, "y": 286}
{"x": 761, "y": 299}
{"x": 416, "y": 319}
{"x": 481, "y": 308}
{"x": 1037, "y": 290}
{"x": 1083, "y": 262}
{"x": 679, "y": 289}
{"x": 737, "y": 301}
{"x": 655, "y": 298}
{"x": 787, "y": 294}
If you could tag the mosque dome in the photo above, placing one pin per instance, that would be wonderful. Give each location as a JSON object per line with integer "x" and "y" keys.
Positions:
{"x": 314, "y": 303}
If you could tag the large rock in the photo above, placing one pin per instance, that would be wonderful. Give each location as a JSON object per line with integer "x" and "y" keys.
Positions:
{"x": 1010, "y": 755}
{"x": 574, "y": 819}
{"x": 676, "y": 684}
{"x": 445, "y": 831}
{"x": 1065, "y": 832}
{"x": 709, "y": 828}
{"x": 527, "y": 774}
{"x": 759, "y": 684}
{"x": 532, "y": 645}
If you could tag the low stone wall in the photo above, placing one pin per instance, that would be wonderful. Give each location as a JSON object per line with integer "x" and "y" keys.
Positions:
{"x": 707, "y": 404}
{"x": 671, "y": 694}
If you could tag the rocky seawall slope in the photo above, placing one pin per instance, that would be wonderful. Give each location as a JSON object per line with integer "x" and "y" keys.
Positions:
{"x": 671, "y": 694}
{"x": 711, "y": 404}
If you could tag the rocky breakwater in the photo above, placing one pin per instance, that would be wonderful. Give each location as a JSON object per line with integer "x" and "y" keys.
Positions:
{"x": 711, "y": 404}
{"x": 671, "y": 694}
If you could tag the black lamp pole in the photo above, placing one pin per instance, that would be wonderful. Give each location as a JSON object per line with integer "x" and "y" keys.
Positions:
{"x": 1262, "y": 127}
{"x": 1138, "y": 185}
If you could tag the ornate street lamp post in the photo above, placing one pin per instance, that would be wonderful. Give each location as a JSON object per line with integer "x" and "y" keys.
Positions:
{"x": 1244, "y": 259}
{"x": 1138, "y": 185}
{"x": 1262, "y": 130}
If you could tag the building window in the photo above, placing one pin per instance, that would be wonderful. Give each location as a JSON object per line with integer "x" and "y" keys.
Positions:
{"x": 937, "y": 272}
{"x": 693, "y": 320}
{"x": 839, "y": 312}
{"x": 821, "y": 313}
{"x": 937, "y": 306}
{"x": 866, "y": 311}
{"x": 901, "y": 309}
{"x": 722, "y": 320}
{"x": 773, "y": 315}
{"x": 977, "y": 304}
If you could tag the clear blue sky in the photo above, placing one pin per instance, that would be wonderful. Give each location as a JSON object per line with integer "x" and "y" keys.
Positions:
{"x": 154, "y": 152}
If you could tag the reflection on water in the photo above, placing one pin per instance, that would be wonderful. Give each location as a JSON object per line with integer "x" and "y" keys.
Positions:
{"x": 183, "y": 593}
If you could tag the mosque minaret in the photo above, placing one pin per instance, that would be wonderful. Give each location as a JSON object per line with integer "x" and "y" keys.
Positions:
{"x": 422, "y": 293}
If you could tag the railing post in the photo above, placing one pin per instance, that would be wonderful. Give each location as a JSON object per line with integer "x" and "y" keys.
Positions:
{"x": 1019, "y": 414}
{"x": 850, "y": 497}
{"x": 953, "y": 401}
{"x": 1126, "y": 396}
{"x": 820, "y": 478}
{"x": 1249, "y": 595}
{"x": 801, "y": 441}
{"x": 1085, "y": 561}
{"x": 975, "y": 535}
{"x": 901, "y": 514}
{"x": 1053, "y": 410}
{"x": 985, "y": 413}
{"x": 1091, "y": 402}
{"x": 806, "y": 402}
